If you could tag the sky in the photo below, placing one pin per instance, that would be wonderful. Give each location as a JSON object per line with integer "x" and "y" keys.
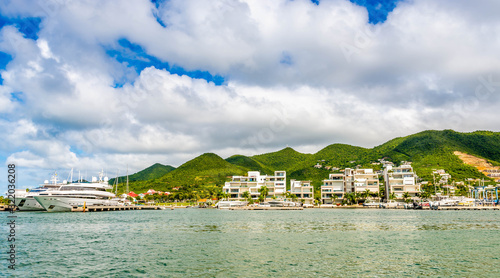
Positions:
{"x": 93, "y": 85}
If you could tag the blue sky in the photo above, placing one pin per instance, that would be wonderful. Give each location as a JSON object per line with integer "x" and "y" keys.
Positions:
{"x": 84, "y": 86}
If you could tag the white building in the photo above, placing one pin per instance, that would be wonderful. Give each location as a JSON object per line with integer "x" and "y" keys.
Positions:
{"x": 441, "y": 177}
{"x": 362, "y": 180}
{"x": 352, "y": 180}
{"x": 333, "y": 188}
{"x": 399, "y": 180}
{"x": 303, "y": 190}
{"x": 253, "y": 182}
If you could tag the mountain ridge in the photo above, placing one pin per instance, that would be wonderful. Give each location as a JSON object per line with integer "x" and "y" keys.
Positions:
{"x": 427, "y": 150}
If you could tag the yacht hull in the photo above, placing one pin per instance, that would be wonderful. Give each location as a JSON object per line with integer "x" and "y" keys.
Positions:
{"x": 28, "y": 204}
{"x": 61, "y": 204}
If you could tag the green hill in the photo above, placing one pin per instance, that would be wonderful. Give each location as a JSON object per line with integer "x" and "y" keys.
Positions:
{"x": 428, "y": 150}
{"x": 203, "y": 175}
{"x": 249, "y": 163}
{"x": 286, "y": 159}
{"x": 152, "y": 172}
{"x": 434, "y": 149}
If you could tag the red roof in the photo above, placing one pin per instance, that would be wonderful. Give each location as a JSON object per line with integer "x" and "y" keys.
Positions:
{"x": 132, "y": 194}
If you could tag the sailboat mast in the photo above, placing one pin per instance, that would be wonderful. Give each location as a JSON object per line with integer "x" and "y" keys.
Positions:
{"x": 127, "y": 181}
{"x": 116, "y": 182}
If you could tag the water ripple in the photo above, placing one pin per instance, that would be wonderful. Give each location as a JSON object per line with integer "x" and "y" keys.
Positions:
{"x": 210, "y": 243}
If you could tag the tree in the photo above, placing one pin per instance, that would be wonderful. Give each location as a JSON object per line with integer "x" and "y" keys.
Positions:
{"x": 148, "y": 197}
{"x": 264, "y": 191}
{"x": 261, "y": 198}
{"x": 425, "y": 195}
{"x": 4, "y": 200}
{"x": 287, "y": 194}
{"x": 366, "y": 194}
{"x": 351, "y": 198}
{"x": 406, "y": 197}
{"x": 223, "y": 195}
{"x": 317, "y": 199}
{"x": 381, "y": 193}
{"x": 334, "y": 198}
{"x": 294, "y": 197}
{"x": 357, "y": 196}
{"x": 392, "y": 196}
{"x": 246, "y": 195}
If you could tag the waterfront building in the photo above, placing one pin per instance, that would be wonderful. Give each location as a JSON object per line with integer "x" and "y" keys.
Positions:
{"x": 333, "y": 188}
{"x": 252, "y": 182}
{"x": 362, "y": 180}
{"x": 399, "y": 180}
{"x": 303, "y": 190}
{"x": 349, "y": 181}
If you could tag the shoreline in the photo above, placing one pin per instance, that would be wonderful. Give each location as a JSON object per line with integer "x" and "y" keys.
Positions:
{"x": 154, "y": 207}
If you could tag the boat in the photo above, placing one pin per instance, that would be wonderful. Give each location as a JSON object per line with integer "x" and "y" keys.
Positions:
{"x": 371, "y": 204}
{"x": 25, "y": 200}
{"x": 276, "y": 203}
{"x": 390, "y": 204}
{"x": 74, "y": 195}
{"x": 230, "y": 204}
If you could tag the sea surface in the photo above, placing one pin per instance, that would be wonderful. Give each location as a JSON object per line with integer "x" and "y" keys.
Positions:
{"x": 220, "y": 243}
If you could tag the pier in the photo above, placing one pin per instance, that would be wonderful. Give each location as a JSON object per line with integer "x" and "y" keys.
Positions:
{"x": 264, "y": 208}
{"x": 469, "y": 208}
{"x": 4, "y": 207}
{"x": 116, "y": 208}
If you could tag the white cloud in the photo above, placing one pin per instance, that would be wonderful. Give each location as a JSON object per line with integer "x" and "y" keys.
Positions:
{"x": 297, "y": 74}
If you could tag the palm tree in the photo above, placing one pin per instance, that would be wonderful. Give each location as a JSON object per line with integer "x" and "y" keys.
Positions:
{"x": 357, "y": 196}
{"x": 406, "y": 197}
{"x": 294, "y": 197}
{"x": 224, "y": 195}
{"x": 366, "y": 193}
{"x": 392, "y": 196}
{"x": 334, "y": 198}
{"x": 246, "y": 195}
{"x": 264, "y": 191}
{"x": 261, "y": 198}
{"x": 351, "y": 198}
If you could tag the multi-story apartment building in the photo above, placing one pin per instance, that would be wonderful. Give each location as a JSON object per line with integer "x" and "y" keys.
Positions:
{"x": 399, "y": 180}
{"x": 364, "y": 179}
{"x": 303, "y": 190}
{"x": 352, "y": 180}
{"x": 333, "y": 188}
{"x": 253, "y": 182}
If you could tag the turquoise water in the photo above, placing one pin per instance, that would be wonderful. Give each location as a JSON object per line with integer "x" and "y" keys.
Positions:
{"x": 213, "y": 243}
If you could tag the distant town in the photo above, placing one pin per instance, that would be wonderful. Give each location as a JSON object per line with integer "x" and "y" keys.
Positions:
{"x": 347, "y": 187}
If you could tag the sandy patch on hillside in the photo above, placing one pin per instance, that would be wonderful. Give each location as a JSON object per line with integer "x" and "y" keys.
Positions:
{"x": 481, "y": 164}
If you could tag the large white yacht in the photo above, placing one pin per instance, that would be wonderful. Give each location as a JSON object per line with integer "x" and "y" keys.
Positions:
{"x": 25, "y": 201}
{"x": 74, "y": 195}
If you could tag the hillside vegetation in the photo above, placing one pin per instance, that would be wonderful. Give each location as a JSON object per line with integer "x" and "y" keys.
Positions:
{"x": 152, "y": 172}
{"x": 428, "y": 150}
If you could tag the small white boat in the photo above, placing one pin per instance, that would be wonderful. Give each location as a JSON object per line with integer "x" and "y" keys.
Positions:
{"x": 371, "y": 204}
{"x": 390, "y": 204}
{"x": 230, "y": 204}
